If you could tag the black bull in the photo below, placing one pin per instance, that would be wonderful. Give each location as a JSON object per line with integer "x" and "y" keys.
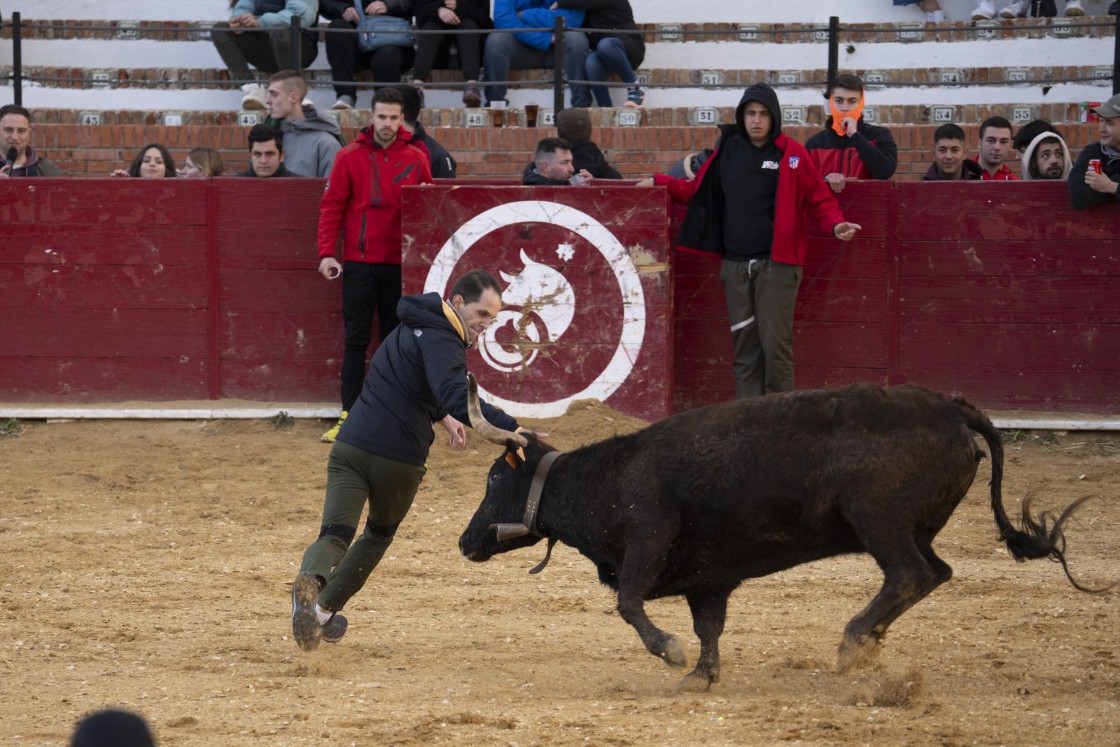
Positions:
{"x": 697, "y": 502}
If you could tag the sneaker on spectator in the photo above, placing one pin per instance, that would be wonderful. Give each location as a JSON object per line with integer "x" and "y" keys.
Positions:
{"x": 1017, "y": 9}
{"x": 634, "y": 96}
{"x": 1074, "y": 9}
{"x": 332, "y": 432}
{"x": 334, "y": 628}
{"x": 255, "y": 96}
{"x": 935, "y": 16}
{"x": 343, "y": 103}
{"x": 472, "y": 96}
{"x": 305, "y": 623}
{"x": 984, "y": 10}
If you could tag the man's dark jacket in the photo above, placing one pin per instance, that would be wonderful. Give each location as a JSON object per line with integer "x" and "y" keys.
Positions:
{"x": 417, "y": 376}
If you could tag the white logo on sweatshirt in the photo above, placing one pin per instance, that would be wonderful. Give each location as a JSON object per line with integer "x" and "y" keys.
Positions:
{"x": 770, "y": 165}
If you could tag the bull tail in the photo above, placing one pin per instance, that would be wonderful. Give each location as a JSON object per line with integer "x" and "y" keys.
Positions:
{"x": 1039, "y": 537}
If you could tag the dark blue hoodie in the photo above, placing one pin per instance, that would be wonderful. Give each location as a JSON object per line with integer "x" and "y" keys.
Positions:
{"x": 418, "y": 375}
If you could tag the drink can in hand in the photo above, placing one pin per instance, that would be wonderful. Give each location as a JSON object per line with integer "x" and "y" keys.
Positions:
{"x": 1095, "y": 164}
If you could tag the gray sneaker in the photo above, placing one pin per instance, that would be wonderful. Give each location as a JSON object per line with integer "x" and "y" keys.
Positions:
{"x": 305, "y": 625}
{"x": 334, "y": 629}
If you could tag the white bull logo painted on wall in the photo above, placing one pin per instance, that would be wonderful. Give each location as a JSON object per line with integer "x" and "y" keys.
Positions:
{"x": 538, "y": 296}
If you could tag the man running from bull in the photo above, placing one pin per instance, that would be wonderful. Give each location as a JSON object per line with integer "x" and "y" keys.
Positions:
{"x": 418, "y": 377}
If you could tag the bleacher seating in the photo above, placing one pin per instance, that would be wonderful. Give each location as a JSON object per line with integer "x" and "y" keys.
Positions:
{"x": 164, "y": 72}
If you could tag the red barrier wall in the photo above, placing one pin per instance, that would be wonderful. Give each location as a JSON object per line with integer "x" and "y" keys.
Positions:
{"x": 136, "y": 290}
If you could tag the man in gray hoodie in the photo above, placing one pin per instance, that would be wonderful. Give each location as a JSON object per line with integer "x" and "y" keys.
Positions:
{"x": 310, "y": 140}
{"x": 1045, "y": 154}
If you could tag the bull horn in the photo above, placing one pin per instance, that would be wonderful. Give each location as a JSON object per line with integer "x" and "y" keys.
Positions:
{"x": 484, "y": 427}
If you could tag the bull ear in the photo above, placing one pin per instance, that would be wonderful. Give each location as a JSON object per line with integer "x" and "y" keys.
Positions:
{"x": 515, "y": 455}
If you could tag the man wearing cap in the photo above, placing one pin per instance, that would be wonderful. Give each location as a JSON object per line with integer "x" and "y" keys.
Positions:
{"x": 17, "y": 157}
{"x": 1087, "y": 186}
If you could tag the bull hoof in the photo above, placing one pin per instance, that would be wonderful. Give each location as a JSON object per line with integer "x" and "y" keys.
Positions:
{"x": 697, "y": 682}
{"x": 857, "y": 653}
{"x": 673, "y": 653}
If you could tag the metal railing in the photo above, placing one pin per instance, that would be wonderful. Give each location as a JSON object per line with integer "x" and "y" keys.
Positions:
{"x": 835, "y": 37}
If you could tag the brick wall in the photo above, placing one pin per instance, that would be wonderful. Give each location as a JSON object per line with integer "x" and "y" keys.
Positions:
{"x": 485, "y": 152}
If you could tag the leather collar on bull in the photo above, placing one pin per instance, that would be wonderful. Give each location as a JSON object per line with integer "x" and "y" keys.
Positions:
{"x": 528, "y": 525}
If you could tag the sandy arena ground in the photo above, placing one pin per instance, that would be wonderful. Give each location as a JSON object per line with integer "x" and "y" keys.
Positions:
{"x": 147, "y": 566}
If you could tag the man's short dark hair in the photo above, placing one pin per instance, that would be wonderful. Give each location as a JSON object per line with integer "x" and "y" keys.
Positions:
{"x": 14, "y": 109}
{"x": 848, "y": 81}
{"x": 1000, "y": 123}
{"x": 291, "y": 79}
{"x": 412, "y": 102}
{"x": 1030, "y": 131}
{"x": 387, "y": 95}
{"x": 472, "y": 285}
{"x": 948, "y": 131}
{"x": 574, "y": 125}
{"x": 262, "y": 133}
{"x": 549, "y": 145}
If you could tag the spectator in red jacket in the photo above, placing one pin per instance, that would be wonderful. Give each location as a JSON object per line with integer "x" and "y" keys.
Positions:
{"x": 849, "y": 147}
{"x": 995, "y": 149}
{"x": 363, "y": 201}
{"x": 751, "y": 203}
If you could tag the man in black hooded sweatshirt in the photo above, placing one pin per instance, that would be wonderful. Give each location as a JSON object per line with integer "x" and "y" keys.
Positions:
{"x": 750, "y": 204}
{"x": 418, "y": 377}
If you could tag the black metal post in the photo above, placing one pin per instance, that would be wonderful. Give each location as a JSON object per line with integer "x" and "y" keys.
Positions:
{"x": 833, "y": 50}
{"x": 558, "y": 66}
{"x": 1115, "y": 57}
{"x": 17, "y": 60}
{"x": 294, "y": 52}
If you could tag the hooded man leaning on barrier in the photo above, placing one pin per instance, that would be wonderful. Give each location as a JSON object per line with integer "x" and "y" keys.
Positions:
{"x": 1045, "y": 154}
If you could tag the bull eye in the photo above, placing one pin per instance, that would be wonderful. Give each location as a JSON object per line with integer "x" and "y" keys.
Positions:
{"x": 494, "y": 477}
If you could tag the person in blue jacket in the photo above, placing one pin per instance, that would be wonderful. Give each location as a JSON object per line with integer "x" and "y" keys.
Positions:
{"x": 524, "y": 50}
{"x": 418, "y": 377}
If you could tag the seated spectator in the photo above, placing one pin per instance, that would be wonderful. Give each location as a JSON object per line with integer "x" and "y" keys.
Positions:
{"x": 934, "y": 13}
{"x": 443, "y": 165}
{"x": 387, "y": 62}
{"x": 202, "y": 163}
{"x": 310, "y": 141}
{"x": 949, "y": 163}
{"x": 574, "y": 126}
{"x": 461, "y": 15}
{"x": 112, "y": 728}
{"x": 152, "y": 162}
{"x": 18, "y": 158}
{"x": 259, "y": 34}
{"x": 995, "y": 148}
{"x": 552, "y": 166}
{"x": 266, "y": 153}
{"x": 1045, "y": 153}
{"x": 534, "y": 49}
{"x": 619, "y": 54}
{"x": 1020, "y": 8}
{"x": 1096, "y": 186}
{"x": 849, "y": 147}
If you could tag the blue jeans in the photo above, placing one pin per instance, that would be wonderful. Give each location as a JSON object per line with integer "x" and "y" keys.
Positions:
{"x": 504, "y": 52}
{"x": 609, "y": 57}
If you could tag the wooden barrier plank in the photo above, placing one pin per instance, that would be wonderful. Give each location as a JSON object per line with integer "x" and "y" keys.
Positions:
{"x": 93, "y": 202}
{"x": 1050, "y": 300}
{"x": 48, "y": 288}
{"x": 134, "y": 333}
{"x": 1015, "y": 259}
{"x": 287, "y": 380}
{"x": 73, "y": 379}
{"x": 281, "y": 337}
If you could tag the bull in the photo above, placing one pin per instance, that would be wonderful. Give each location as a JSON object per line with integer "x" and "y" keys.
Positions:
{"x": 694, "y": 504}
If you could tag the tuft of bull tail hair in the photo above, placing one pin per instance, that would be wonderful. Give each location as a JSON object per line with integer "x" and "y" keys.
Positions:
{"x": 1041, "y": 537}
